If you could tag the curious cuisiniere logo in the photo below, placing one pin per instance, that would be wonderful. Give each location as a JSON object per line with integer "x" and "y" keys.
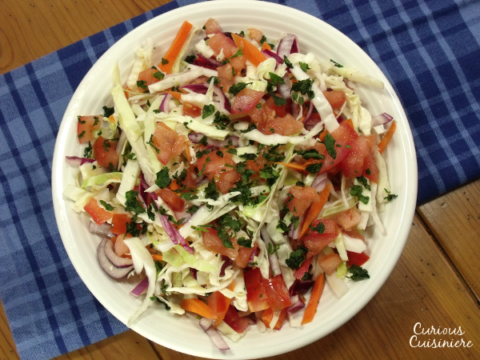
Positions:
{"x": 438, "y": 343}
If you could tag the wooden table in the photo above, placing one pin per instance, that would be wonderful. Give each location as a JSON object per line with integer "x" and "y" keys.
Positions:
{"x": 436, "y": 282}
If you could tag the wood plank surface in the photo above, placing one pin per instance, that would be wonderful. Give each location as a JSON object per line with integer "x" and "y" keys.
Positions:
{"x": 454, "y": 220}
{"x": 434, "y": 283}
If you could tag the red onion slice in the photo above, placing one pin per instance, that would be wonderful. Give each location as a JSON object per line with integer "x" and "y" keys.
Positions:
{"x": 116, "y": 260}
{"x": 226, "y": 262}
{"x": 224, "y": 103}
{"x": 381, "y": 119}
{"x": 174, "y": 234}
{"x": 309, "y": 113}
{"x": 75, "y": 161}
{"x": 300, "y": 287}
{"x": 296, "y": 232}
{"x": 110, "y": 269}
{"x": 272, "y": 257}
{"x": 217, "y": 339}
{"x": 206, "y": 324}
{"x": 296, "y": 305}
{"x": 198, "y": 88}
{"x": 271, "y": 54}
{"x": 102, "y": 230}
{"x": 140, "y": 288}
{"x": 319, "y": 182}
{"x": 287, "y": 45}
{"x": 164, "y": 107}
{"x": 206, "y": 62}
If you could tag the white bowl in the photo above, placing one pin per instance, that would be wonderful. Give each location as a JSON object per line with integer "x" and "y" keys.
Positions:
{"x": 179, "y": 333}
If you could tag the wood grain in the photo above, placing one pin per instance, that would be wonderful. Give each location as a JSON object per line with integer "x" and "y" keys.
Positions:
{"x": 454, "y": 220}
{"x": 30, "y": 29}
{"x": 8, "y": 351}
{"x": 422, "y": 288}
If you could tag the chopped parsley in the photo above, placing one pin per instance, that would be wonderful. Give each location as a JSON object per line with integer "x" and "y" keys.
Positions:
{"x": 190, "y": 58}
{"x": 158, "y": 75}
{"x": 282, "y": 226}
{"x": 390, "y": 196}
{"x": 130, "y": 156}
{"x": 203, "y": 141}
{"x": 108, "y": 111}
{"x": 368, "y": 171}
{"x": 304, "y": 87}
{"x": 216, "y": 80}
{"x": 150, "y": 142}
{"x": 163, "y": 178}
{"x": 142, "y": 84}
{"x": 356, "y": 190}
{"x": 336, "y": 64}
{"x": 207, "y": 111}
{"x": 223, "y": 235}
{"x": 314, "y": 168}
{"x": 132, "y": 204}
{"x": 248, "y": 156}
{"x": 232, "y": 151}
{"x": 80, "y": 120}
{"x": 238, "y": 53}
{"x": 258, "y": 106}
{"x": 81, "y": 135}
{"x": 244, "y": 242}
{"x": 310, "y": 154}
{"x": 88, "y": 151}
{"x": 329, "y": 142}
{"x": 189, "y": 195}
{"x": 358, "y": 273}
{"x": 287, "y": 62}
{"x": 107, "y": 206}
{"x": 221, "y": 121}
{"x": 272, "y": 249}
{"x": 276, "y": 79}
{"x": 276, "y": 99}
{"x": 193, "y": 209}
{"x": 251, "y": 127}
{"x": 106, "y": 145}
{"x": 236, "y": 88}
{"x": 164, "y": 61}
{"x": 211, "y": 191}
{"x": 263, "y": 39}
{"x": 304, "y": 66}
{"x": 364, "y": 181}
{"x": 320, "y": 228}
{"x": 296, "y": 258}
{"x": 269, "y": 174}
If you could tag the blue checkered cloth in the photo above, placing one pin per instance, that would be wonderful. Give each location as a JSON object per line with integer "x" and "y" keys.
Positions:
{"x": 428, "y": 49}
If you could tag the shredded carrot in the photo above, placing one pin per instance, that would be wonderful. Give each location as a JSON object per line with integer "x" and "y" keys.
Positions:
{"x": 266, "y": 46}
{"x": 254, "y": 55}
{"x": 166, "y": 64}
{"x": 187, "y": 152}
{"x": 387, "y": 137}
{"x": 267, "y": 317}
{"x": 281, "y": 319}
{"x": 293, "y": 166}
{"x": 229, "y": 301}
{"x": 177, "y": 95}
{"x": 349, "y": 122}
{"x": 314, "y": 299}
{"x": 111, "y": 119}
{"x": 174, "y": 185}
{"x": 315, "y": 209}
{"x": 157, "y": 257}
{"x": 322, "y": 135}
{"x": 198, "y": 307}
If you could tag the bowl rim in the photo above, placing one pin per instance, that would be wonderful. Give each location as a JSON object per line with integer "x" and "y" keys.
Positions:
{"x": 408, "y": 205}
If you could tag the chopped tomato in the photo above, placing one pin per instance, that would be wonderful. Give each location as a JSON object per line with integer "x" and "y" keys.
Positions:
{"x": 244, "y": 255}
{"x": 218, "y": 303}
{"x": 352, "y": 166}
{"x": 246, "y": 100}
{"x": 336, "y": 98}
{"x": 119, "y": 223}
{"x": 277, "y": 293}
{"x": 225, "y": 71}
{"x": 225, "y": 84}
{"x": 329, "y": 263}
{"x": 189, "y": 181}
{"x": 105, "y": 152}
{"x": 120, "y": 247}
{"x": 256, "y": 296}
{"x": 212, "y": 242}
{"x": 167, "y": 143}
{"x": 98, "y": 213}
{"x": 349, "y": 219}
{"x": 238, "y": 64}
{"x": 237, "y": 323}
{"x": 219, "y": 41}
{"x": 173, "y": 201}
{"x": 283, "y": 126}
{"x": 219, "y": 168}
{"x": 85, "y": 127}
{"x": 356, "y": 258}
{"x": 191, "y": 110}
{"x": 300, "y": 273}
{"x": 212, "y": 27}
{"x": 147, "y": 76}
{"x": 316, "y": 242}
{"x": 370, "y": 169}
{"x": 279, "y": 110}
{"x": 343, "y": 135}
{"x": 261, "y": 116}
{"x": 255, "y": 35}
{"x": 302, "y": 198}
{"x": 355, "y": 234}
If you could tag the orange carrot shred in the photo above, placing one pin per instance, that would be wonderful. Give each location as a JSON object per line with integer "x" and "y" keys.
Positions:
{"x": 266, "y": 46}
{"x": 293, "y": 166}
{"x": 166, "y": 64}
{"x": 229, "y": 301}
{"x": 198, "y": 307}
{"x": 254, "y": 55}
{"x": 187, "y": 152}
{"x": 387, "y": 137}
{"x": 315, "y": 209}
{"x": 157, "y": 257}
{"x": 267, "y": 317}
{"x": 314, "y": 299}
{"x": 281, "y": 319}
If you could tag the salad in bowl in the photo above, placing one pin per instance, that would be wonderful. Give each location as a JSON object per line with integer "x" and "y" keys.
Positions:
{"x": 234, "y": 179}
